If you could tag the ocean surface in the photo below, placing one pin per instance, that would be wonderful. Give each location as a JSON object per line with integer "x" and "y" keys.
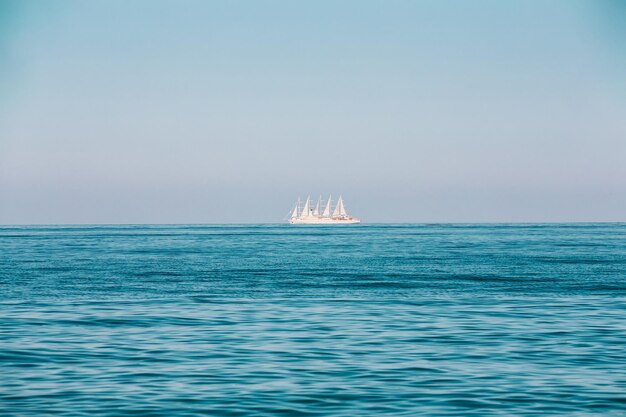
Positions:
{"x": 265, "y": 320}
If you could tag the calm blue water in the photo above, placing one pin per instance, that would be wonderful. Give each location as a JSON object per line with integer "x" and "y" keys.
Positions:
{"x": 439, "y": 320}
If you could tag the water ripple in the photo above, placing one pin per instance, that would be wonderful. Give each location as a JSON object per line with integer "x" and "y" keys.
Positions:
{"x": 402, "y": 320}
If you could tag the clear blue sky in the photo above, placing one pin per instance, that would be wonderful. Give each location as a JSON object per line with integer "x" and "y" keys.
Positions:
{"x": 223, "y": 111}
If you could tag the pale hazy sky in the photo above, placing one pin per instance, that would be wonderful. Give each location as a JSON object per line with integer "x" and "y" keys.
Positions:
{"x": 224, "y": 111}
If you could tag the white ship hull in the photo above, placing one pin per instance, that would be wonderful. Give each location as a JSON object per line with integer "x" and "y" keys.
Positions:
{"x": 323, "y": 220}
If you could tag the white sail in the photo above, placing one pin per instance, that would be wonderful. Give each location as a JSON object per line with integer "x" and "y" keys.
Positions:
{"x": 339, "y": 208}
{"x": 294, "y": 213}
{"x": 326, "y": 212}
{"x": 305, "y": 209}
{"x": 316, "y": 212}
{"x": 342, "y": 208}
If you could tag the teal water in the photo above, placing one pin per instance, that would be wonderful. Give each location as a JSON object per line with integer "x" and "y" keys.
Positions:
{"x": 263, "y": 320}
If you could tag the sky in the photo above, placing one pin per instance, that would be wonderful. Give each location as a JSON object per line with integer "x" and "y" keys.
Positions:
{"x": 227, "y": 111}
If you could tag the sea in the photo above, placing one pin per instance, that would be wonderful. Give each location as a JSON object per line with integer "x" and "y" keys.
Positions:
{"x": 279, "y": 320}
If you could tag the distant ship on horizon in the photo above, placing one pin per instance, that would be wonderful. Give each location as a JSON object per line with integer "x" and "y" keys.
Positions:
{"x": 310, "y": 215}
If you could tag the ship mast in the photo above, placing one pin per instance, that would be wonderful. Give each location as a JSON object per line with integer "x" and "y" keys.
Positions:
{"x": 342, "y": 208}
{"x": 339, "y": 208}
{"x": 305, "y": 209}
{"x": 326, "y": 212}
{"x": 294, "y": 213}
{"x": 316, "y": 212}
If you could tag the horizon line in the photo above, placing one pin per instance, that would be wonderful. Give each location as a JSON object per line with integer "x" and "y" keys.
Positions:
{"x": 287, "y": 224}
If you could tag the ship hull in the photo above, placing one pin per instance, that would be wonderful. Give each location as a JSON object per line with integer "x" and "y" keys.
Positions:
{"x": 324, "y": 220}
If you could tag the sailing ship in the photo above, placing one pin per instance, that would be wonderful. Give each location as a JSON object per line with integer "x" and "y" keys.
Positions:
{"x": 312, "y": 215}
